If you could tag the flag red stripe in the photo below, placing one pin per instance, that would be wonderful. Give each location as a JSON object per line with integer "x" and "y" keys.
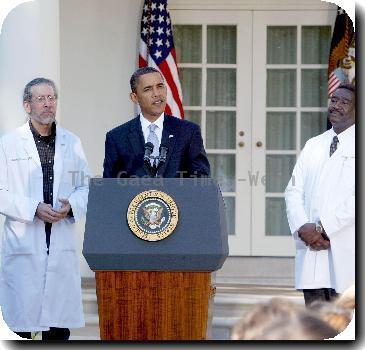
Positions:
{"x": 333, "y": 82}
{"x": 170, "y": 80}
{"x": 142, "y": 62}
{"x": 168, "y": 110}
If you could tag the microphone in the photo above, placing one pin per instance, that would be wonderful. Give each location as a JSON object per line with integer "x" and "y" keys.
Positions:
{"x": 163, "y": 153}
{"x": 161, "y": 158}
{"x": 148, "y": 149}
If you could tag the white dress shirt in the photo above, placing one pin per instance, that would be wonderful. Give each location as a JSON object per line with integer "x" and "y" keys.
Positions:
{"x": 145, "y": 123}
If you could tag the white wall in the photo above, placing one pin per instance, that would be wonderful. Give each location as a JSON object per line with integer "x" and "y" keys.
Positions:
{"x": 98, "y": 55}
{"x": 99, "y": 47}
{"x": 29, "y": 48}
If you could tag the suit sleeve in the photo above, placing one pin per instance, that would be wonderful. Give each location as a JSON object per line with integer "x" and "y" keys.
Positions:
{"x": 79, "y": 197}
{"x": 198, "y": 161}
{"x": 12, "y": 205}
{"x": 294, "y": 195}
{"x": 111, "y": 157}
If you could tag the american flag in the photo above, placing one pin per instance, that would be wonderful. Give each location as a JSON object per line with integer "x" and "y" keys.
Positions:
{"x": 157, "y": 50}
{"x": 342, "y": 38}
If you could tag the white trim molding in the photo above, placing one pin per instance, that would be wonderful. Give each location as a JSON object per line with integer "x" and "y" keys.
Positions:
{"x": 264, "y": 5}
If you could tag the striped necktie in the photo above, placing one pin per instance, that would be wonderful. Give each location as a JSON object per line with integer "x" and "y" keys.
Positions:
{"x": 152, "y": 137}
{"x": 333, "y": 146}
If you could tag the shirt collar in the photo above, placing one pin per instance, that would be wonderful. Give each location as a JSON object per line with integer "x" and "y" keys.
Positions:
{"x": 38, "y": 135}
{"x": 145, "y": 123}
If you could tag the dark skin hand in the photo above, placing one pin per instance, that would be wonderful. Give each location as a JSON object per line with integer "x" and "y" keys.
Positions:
{"x": 308, "y": 234}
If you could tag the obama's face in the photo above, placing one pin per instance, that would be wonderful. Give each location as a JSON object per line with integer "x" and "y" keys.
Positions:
{"x": 151, "y": 95}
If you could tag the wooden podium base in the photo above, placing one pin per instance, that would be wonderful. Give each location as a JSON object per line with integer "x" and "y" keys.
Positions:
{"x": 153, "y": 305}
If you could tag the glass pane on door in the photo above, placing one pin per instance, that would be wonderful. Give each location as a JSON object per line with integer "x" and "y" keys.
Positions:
{"x": 316, "y": 42}
{"x": 281, "y": 45}
{"x": 314, "y": 87}
{"x": 230, "y": 203}
{"x": 221, "y": 47}
{"x": 191, "y": 83}
{"x": 188, "y": 37}
{"x": 281, "y": 88}
{"x": 276, "y": 222}
{"x": 221, "y": 130}
{"x": 194, "y": 116}
{"x": 280, "y": 130}
{"x": 221, "y": 87}
{"x": 278, "y": 172}
{"x": 223, "y": 168}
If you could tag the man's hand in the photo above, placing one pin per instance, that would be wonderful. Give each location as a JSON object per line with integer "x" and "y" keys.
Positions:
{"x": 46, "y": 213}
{"x": 308, "y": 234}
{"x": 65, "y": 208}
{"x": 321, "y": 244}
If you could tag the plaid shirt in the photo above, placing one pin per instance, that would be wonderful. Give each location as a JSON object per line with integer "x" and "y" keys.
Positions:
{"x": 46, "y": 150}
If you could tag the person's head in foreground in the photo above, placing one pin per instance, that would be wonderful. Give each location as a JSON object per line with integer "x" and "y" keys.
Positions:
{"x": 281, "y": 319}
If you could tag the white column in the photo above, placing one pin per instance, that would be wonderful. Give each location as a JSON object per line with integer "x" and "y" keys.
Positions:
{"x": 29, "y": 48}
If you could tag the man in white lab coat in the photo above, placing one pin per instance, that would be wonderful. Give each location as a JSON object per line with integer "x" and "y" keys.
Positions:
{"x": 43, "y": 192}
{"x": 320, "y": 202}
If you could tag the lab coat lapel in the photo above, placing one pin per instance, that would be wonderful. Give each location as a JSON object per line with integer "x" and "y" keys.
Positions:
{"x": 29, "y": 144}
{"x": 61, "y": 145}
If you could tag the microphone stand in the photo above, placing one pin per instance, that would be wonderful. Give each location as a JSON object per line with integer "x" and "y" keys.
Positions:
{"x": 161, "y": 159}
{"x": 148, "y": 168}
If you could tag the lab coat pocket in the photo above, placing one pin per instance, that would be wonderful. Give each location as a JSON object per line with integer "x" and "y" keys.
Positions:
{"x": 70, "y": 172}
{"x": 66, "y": 232}
{"x": 18, "y": 238}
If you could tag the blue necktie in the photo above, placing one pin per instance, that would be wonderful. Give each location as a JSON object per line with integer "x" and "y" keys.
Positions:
{"x": 152, "y": 137}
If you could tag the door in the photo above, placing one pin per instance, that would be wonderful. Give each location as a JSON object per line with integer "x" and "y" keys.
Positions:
{"x": 215, "y": 72}
{"x": 290, "y": 58}
{"x": 256, "y": 83}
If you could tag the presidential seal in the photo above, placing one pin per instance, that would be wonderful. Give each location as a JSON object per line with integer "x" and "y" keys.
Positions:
{"x": 152, "y": 215}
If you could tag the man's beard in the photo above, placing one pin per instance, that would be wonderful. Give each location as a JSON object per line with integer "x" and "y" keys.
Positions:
{"x": 44, "y": 120}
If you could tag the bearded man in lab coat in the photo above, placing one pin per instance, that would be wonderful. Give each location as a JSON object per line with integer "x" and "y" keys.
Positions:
{"x": 43, "y": 192}
{"x": 320, "y": 202}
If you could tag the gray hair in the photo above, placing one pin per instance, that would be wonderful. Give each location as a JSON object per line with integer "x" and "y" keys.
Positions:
{"x": 27, "y": 95}
{"x": 141, "y": 71}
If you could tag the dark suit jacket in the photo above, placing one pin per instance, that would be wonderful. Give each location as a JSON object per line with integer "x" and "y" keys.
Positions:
{"x": 124, "y": 150}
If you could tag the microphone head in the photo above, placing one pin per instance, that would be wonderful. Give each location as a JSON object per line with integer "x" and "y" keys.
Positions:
{"x": 149, "y": 145}
{"x": 163, "y": 151}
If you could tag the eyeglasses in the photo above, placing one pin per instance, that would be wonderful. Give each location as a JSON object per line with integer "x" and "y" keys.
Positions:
{"x": 42, "y": 99}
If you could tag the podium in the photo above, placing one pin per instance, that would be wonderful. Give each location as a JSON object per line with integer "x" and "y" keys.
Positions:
{"x": 153, "y": 244}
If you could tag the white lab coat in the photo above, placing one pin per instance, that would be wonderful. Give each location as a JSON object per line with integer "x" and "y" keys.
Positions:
{"x": 323, "y": 188}
{"x": 40, "y": 291}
